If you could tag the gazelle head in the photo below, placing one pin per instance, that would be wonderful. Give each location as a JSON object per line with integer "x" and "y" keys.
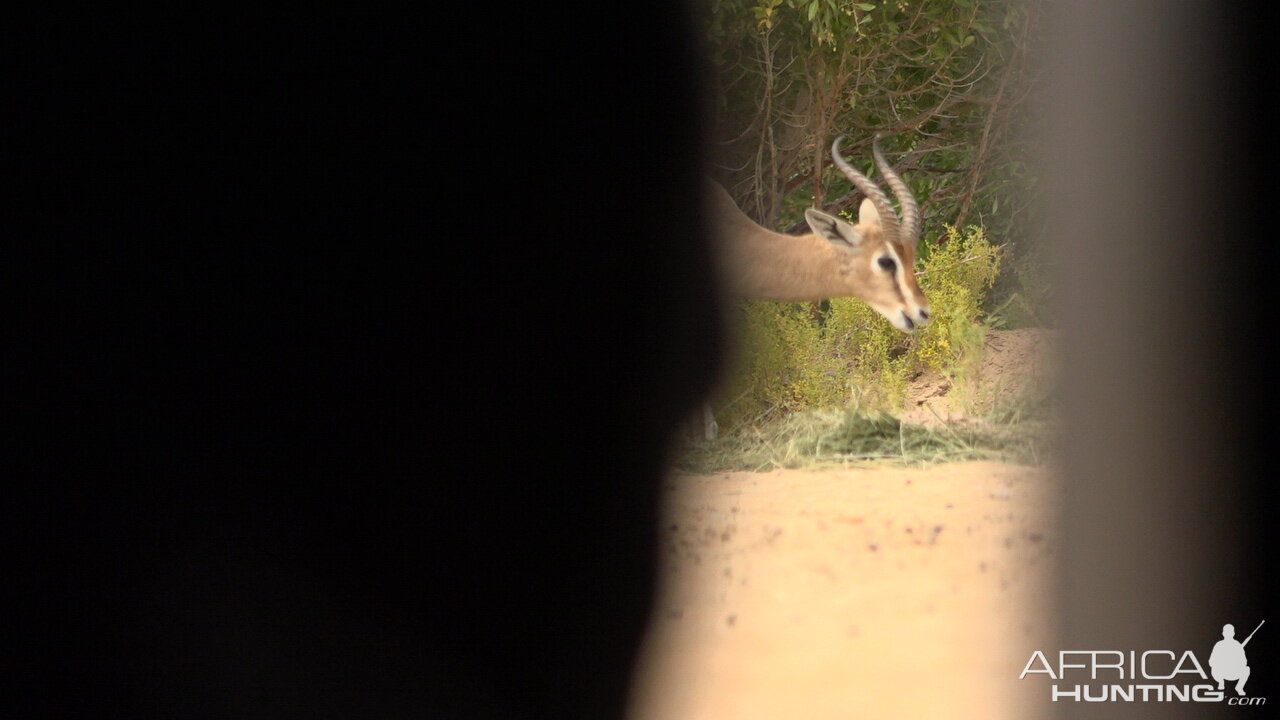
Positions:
{"x": 879, "y": 253}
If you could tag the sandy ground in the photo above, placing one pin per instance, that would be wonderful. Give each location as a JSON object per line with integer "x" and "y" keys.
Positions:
{"x": 878, "y": 593}
{"x": 844, "y": 594}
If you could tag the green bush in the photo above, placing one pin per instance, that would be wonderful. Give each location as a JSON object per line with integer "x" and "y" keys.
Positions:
{"x": 791, "y": 358}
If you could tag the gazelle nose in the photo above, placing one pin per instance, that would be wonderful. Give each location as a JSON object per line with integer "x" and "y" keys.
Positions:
{"x": 924, "y": 317}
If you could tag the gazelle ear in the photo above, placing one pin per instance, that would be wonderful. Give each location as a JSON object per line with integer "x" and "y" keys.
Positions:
{"x": 867, "y": 214}
{"x": 832, "y": 228}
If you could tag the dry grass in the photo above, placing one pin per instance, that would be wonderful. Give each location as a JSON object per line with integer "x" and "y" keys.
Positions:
{"x": 1018, "y": 432}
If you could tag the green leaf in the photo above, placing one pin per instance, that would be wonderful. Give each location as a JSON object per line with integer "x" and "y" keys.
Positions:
{"x": 813, "y": 10}
{"x": 967, "y": 41}
{"x": 866, "y": 6}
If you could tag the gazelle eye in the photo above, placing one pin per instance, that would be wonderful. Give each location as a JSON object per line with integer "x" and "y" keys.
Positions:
{"x": 887, "y": 263}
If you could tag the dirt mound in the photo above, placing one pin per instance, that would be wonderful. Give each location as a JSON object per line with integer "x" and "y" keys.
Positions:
{"x": 1014, "y": 363}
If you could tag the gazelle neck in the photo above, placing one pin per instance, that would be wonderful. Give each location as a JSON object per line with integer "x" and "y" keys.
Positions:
{"x": 790, "y": 268}
{"x": 763, "y": 264}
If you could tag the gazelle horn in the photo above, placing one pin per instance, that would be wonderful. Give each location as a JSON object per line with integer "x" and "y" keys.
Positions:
{"x": 888, "y": 219}
{"x": 907, "y": 201}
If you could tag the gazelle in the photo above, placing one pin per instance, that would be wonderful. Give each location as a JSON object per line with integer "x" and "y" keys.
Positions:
{"x": 873, "y": 260}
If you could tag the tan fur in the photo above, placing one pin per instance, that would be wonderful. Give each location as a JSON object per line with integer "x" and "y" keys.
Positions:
{"x": 759, "y": 263}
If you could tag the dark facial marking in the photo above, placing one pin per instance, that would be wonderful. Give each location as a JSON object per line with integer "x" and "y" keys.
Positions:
{"x": 897, "y": 290}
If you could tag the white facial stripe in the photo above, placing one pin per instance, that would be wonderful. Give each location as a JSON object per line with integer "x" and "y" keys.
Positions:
{"x": 899, "y": 278}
